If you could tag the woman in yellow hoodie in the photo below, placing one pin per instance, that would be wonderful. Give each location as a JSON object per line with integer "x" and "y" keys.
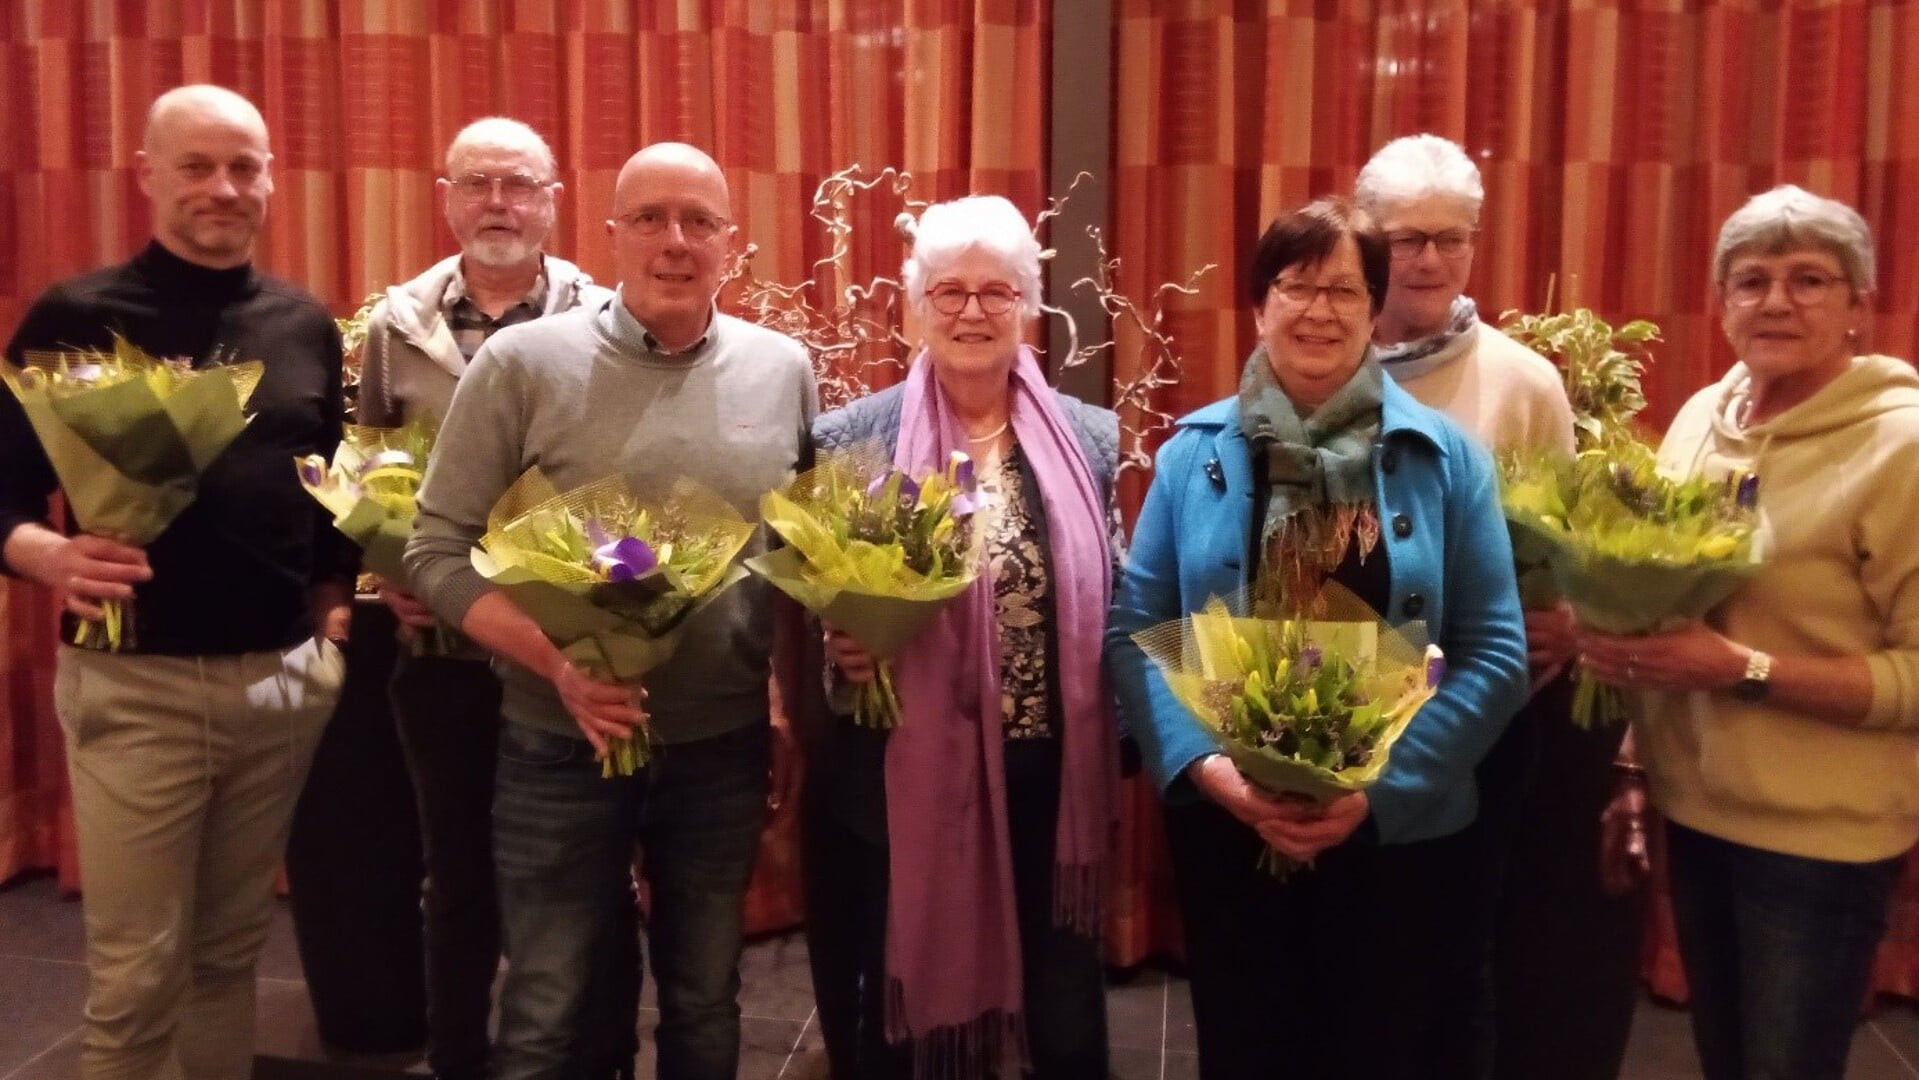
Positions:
{"x": 1781, "y": 735}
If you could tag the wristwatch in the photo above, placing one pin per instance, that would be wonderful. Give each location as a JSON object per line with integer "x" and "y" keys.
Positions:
{"x": 1757, "y": 680}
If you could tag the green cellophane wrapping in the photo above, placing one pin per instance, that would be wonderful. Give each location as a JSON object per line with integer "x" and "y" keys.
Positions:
{"x": 536, "y": 551}
{"x": 1208, "y": 660}
{"x": 372, "y": 490}
{"x": 1625, "y": 571}
{"x": 129, "y": 436}
{"x": 868, "y": 590}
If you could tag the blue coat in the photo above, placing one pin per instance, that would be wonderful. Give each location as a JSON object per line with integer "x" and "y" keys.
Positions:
{"x": 1450, "y": 562}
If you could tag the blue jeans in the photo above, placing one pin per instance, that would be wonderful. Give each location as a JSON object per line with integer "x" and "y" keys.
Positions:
{"x": 1778, "y": 954}
{"x": 563, "y": 840}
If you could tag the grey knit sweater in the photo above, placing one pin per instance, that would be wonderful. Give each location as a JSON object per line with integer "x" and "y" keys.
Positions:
{"x": 582, "y": 395}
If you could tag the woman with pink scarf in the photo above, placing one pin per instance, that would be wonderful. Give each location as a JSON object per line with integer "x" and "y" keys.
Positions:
{"x": 957, "y": 864}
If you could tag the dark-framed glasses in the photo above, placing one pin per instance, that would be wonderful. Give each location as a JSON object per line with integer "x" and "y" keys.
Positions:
{"x": 1406, "y": 244}
{"x": 516, "y": 188}
{"x": 1804, "y": 288}
{"x": 1345, "y": 297}
{"x": 950, "y": 297}
{"x": 698, "y": 226}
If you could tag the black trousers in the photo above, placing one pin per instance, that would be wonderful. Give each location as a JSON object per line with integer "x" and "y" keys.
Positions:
{"x": 1565, "y": 956}
{"x": 448, "y": 714}
{"x": 1359, "y": 966}
{"x": 1063, "y": 979}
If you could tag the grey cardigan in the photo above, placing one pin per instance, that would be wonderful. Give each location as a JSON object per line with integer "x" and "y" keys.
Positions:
{"x": 846, "y": 763}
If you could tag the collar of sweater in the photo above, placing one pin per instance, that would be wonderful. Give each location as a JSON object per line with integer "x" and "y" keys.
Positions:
{"x": 172, "y": 276}
{"x": 628, "y": 335}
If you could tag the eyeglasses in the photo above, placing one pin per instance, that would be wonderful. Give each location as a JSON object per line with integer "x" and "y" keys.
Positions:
{"x": 517, "y": 188}
{"x": 1345, "y": 297}
{"x": 949, "y": 298}
{"x": 1804, "y": 288}
{"x": 1407, "y": 244}
{"x": 697, "y": 226}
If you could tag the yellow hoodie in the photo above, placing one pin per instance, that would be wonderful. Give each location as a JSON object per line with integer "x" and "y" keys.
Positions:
{"x": 1839, "y": 530}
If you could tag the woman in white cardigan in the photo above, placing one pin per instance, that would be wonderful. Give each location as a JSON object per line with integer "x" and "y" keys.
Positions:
{"x": 1560, "y": 997}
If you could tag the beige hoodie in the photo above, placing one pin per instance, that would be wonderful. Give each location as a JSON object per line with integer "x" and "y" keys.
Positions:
{"x": 1839, "y": 512}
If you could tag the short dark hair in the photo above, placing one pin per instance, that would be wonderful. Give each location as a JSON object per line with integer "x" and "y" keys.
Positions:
{"x": 1308, "y": 235}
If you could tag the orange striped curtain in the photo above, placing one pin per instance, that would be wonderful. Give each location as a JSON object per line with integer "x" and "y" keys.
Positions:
{"x": 362, "y": 96}
{"x": 1614, "y": 137}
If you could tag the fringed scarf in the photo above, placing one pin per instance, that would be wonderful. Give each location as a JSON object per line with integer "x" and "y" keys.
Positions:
{"x": 952, "y": 938}
{"x": 1319, "y": 475}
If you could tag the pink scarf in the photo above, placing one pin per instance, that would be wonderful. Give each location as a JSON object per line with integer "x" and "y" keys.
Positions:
{"x": 952, "y": 939}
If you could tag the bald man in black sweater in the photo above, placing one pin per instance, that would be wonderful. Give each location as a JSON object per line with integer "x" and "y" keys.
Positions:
{"x": 187, "y": 750}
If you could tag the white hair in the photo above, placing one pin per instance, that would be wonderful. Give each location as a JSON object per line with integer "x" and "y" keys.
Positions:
{"x": 1788, "y": 218}
{"x": 950, "y": 229}
{"x": 1414, "y": 167}
{"x": 505, "y": 133}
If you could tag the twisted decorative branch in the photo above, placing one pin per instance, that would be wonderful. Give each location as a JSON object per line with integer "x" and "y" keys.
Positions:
{"x": 1160, "y": 364}
{"x": 1055, "y": 205}
{"x": 859, "y": 331}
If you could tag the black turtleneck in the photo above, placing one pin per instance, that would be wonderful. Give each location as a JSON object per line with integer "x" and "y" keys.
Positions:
{"x": 231, "y": 574}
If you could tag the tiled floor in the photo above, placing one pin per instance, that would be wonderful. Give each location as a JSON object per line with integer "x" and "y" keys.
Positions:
{"x": 42, "y": 986}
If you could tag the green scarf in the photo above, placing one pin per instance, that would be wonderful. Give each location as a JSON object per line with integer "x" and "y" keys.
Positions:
{"x": 1319, "y": 472}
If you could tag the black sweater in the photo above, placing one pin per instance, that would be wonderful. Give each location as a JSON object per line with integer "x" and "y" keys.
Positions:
{"x": 233, "y": 571}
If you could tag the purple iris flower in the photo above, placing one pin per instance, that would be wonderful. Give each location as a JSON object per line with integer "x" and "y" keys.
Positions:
{"x": 1311, "y": 657}
{"x": 909, "y": 492}
{"x": 1435, "y": 669}
{"x": 312, "y": 471}
{"x": 1748, "y": 494}
{"x": 878, "y": 487}
{"x": 961, "y": 468}
{"x": 964, "y": 505}
{"x": 624, "y": 559}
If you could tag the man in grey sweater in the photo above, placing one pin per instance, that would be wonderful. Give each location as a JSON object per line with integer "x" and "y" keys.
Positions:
{"x": 499, "y": 195}
{"x": 653, "y": 385}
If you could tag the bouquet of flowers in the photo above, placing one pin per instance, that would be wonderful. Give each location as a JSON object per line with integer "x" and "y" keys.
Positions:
{"x": 1310, "y": 707}
{"x": 612, "y": 578}
{"x": 373, "y": 490}
{"x": 129, "y": 436}
{"x": 1632, "y": 549}
{"x": 875, "y": 553}
{"x": 1601, "y": 367}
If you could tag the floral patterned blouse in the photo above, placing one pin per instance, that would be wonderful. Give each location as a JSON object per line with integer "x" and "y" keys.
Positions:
{"x": 1023, "y": 599}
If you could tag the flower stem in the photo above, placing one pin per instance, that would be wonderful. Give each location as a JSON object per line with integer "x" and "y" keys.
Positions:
{"x": 876, "y": 703}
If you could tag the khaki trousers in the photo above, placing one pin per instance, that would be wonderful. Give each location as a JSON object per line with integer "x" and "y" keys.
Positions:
{"x": 185, "y": 771}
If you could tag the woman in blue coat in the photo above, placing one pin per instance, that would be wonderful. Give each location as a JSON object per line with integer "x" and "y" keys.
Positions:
{"x": 1321, "y": 469}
